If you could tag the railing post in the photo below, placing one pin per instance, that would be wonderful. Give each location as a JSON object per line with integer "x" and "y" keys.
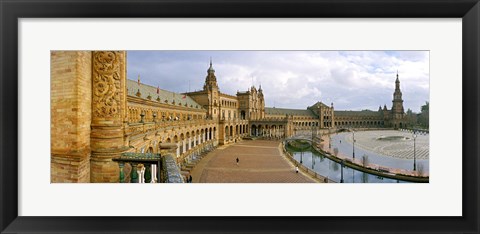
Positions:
{"x": 148, "y": 174}
{"x": 122, "y": 175}
{"x": 141, "y": 173}
{"x": 134, "y": 175}
{"x": 154, "y": 173}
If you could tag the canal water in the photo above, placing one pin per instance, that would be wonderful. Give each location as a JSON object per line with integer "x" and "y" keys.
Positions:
{"x": 331, "y": 169}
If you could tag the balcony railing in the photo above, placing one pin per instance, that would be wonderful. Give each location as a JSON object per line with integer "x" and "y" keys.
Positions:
{"x": 135, "y": 128}
{"x": 233, "y": 121}
{"x": 145, "y": 167}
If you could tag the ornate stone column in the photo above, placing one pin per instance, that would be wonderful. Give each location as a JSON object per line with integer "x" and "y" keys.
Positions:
{"x": 109, "y": 106}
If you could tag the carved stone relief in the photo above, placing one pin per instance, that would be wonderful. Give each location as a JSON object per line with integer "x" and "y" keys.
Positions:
{"x": 106, "y": 84}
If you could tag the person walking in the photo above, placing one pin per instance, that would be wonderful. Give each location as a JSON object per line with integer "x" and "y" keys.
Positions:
{"x": 296, "y": 169}
{"x": 238, "y": 160}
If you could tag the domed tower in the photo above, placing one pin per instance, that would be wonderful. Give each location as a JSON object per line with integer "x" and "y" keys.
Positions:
{"x": 211, "y": 79}
{"x": 211, "y": 87}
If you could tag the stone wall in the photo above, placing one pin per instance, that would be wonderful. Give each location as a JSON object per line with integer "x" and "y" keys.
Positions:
{"x": 71, "y": 94}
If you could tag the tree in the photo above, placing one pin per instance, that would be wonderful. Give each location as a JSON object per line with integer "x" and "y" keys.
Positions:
{"x": 425, "y": 107}
{"x": 411, "y": 117}
{"x": 423, "y": 117}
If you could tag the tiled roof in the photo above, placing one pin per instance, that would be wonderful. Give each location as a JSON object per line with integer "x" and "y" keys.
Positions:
{"x": 318, "y": 104}
{"x": 145, "y": 90}
{"x": 357, "y": 113}
{"x": 282, "y": 111}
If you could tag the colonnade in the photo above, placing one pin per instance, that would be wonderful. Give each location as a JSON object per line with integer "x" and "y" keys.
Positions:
{"x": 268, "y": 130}
{"x": 190, "y": 141}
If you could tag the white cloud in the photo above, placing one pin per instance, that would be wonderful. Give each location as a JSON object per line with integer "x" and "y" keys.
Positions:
{"x": 294, "y": 79}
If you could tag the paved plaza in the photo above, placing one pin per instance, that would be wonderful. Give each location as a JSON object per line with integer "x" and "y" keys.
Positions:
{"x": 260, "y": 161}
{"x": 402, "y": 148}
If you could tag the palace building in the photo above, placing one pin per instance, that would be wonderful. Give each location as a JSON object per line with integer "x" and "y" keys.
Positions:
{"x": 98, "y": 115}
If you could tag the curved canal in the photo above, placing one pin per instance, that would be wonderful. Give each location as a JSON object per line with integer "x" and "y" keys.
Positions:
{"x": 328, "y": 168}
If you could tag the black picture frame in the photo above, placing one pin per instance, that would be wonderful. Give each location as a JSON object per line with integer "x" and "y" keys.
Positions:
{"x": 11, "y": 11}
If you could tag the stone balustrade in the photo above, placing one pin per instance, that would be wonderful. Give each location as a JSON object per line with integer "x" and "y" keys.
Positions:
{"x": 138, "y": 128}
{"x": 139, "y": 168}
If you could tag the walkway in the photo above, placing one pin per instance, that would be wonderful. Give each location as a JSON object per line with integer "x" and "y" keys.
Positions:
{"x": 261, "y": 161}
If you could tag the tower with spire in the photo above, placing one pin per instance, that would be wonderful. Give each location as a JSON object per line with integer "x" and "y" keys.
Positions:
{"x": 261, "y": 103}
{"x": 398, "y": 112}
{"x": 211, "y": 79}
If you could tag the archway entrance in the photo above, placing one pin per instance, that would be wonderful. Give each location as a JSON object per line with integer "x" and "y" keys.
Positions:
{"x": 253, "y": 132}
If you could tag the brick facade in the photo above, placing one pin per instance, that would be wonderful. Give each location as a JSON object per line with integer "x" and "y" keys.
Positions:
{"x": 70, "y": 116}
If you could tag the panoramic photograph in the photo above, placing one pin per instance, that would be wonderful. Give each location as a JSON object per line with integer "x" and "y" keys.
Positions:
{"x": 198, "y": 116}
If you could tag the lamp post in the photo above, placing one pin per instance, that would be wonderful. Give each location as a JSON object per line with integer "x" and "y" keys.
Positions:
{"x": 414, "y": 152}
{"x": 341, "y": 168}
{"x": 329, "y": 141}
{"x": 329, "y": 166}
{"x": 313, "y": 136}
{"x": 353, "y": 154}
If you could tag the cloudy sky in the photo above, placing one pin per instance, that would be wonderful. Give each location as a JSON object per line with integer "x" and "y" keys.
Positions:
{"x": 352, "y": 80}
